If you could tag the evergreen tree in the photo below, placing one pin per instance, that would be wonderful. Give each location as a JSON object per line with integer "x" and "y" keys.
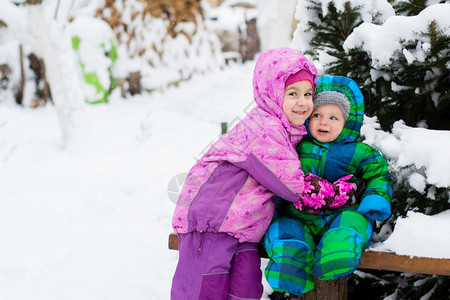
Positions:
{"x": 333, "y": 28}
{"x": 423, "y": 93}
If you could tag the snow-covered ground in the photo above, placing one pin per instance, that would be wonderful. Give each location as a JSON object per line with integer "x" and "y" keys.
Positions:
{"x": 92, "y": 222}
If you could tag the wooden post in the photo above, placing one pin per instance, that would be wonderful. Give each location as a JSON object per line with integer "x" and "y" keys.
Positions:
{"x": 21, "y": 87}
{"x": 224, "y": 127}
{"x": 327, "y": 290}
{"x": 134, "y": 83}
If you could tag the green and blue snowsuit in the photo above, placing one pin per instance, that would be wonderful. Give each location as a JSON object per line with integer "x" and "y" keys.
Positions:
{"x": 329, "y": 244}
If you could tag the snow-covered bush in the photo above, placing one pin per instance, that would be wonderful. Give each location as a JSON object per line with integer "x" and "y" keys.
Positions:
{"x": 416, "y": 156}
{"x": 409, "y": 67}
{"x": 401, "y": 63}
{"x": 167, "y": 41}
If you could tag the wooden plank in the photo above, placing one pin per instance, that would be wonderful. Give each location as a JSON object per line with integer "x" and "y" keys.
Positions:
{"x": 381, "y": 261}
{"x": 402, "y": 263}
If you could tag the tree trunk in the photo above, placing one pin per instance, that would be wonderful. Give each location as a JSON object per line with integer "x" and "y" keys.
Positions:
{"x": 18, "y": 94}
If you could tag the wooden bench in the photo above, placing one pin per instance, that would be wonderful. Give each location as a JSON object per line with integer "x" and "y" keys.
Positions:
{"x": 374, "y": 260}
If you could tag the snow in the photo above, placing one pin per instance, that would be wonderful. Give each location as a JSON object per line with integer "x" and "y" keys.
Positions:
{"x": 92, "y": 221}
{"x": 411, "y": 146}
{"x": 425, "y": 149}
{"x": 229, "y": 18}
{"x": 419, "y": 233}
{"x": 368, "y": 7}
{"x": 46, "y": 36}
{"x": 274, "y": 23}
{"x": 381, "y": 41}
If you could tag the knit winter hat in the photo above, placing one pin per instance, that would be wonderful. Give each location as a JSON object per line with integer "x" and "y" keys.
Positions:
{"x": 300, "y": 76}
{"x": 333, "y": 97}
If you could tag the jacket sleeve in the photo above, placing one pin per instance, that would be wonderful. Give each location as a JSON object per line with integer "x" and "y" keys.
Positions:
{"x": 273, "y": 162}
{"x": 376, "y": 199}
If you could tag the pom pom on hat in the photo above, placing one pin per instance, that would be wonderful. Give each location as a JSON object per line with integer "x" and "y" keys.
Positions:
{"x": 300, "y": 76}
{"x": 335, "y": 98}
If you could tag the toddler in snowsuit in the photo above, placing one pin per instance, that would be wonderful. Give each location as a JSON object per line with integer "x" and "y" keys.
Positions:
{"x": 227, "y": 201}
{"x": 324, "y": 234}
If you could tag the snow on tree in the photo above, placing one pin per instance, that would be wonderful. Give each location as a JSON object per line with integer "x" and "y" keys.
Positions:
{"x": 275, "y": 20}
{"x": 42, "y": 27}
{"x": 333, "y": 21}
{"x": 409, "y": 68}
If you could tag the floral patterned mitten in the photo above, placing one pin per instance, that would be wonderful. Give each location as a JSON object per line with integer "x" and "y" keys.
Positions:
{"x": 320, "y": 195}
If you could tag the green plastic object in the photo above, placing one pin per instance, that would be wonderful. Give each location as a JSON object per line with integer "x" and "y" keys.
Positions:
{"x": 91, "y": 78}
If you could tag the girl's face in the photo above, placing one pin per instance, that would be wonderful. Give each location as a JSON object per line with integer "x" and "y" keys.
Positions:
{"x": 298, "y": 102}
{"x": 326, "y": 122}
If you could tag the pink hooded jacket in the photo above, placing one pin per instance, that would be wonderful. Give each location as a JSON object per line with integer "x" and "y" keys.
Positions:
{"x": 231, "y": 188}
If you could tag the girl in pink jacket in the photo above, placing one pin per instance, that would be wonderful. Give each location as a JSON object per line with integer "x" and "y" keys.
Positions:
{"x": 227, "y": 201}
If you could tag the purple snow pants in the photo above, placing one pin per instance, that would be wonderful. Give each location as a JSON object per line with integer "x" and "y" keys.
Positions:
{"x": 215, "y": 266}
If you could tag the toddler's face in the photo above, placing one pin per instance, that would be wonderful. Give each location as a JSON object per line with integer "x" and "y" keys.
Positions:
{"x": 326, "y": 122}
{"x": 297, "y": 103}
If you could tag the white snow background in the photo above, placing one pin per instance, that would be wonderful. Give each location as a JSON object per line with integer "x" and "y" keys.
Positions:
{"x": 92, "y": 221}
